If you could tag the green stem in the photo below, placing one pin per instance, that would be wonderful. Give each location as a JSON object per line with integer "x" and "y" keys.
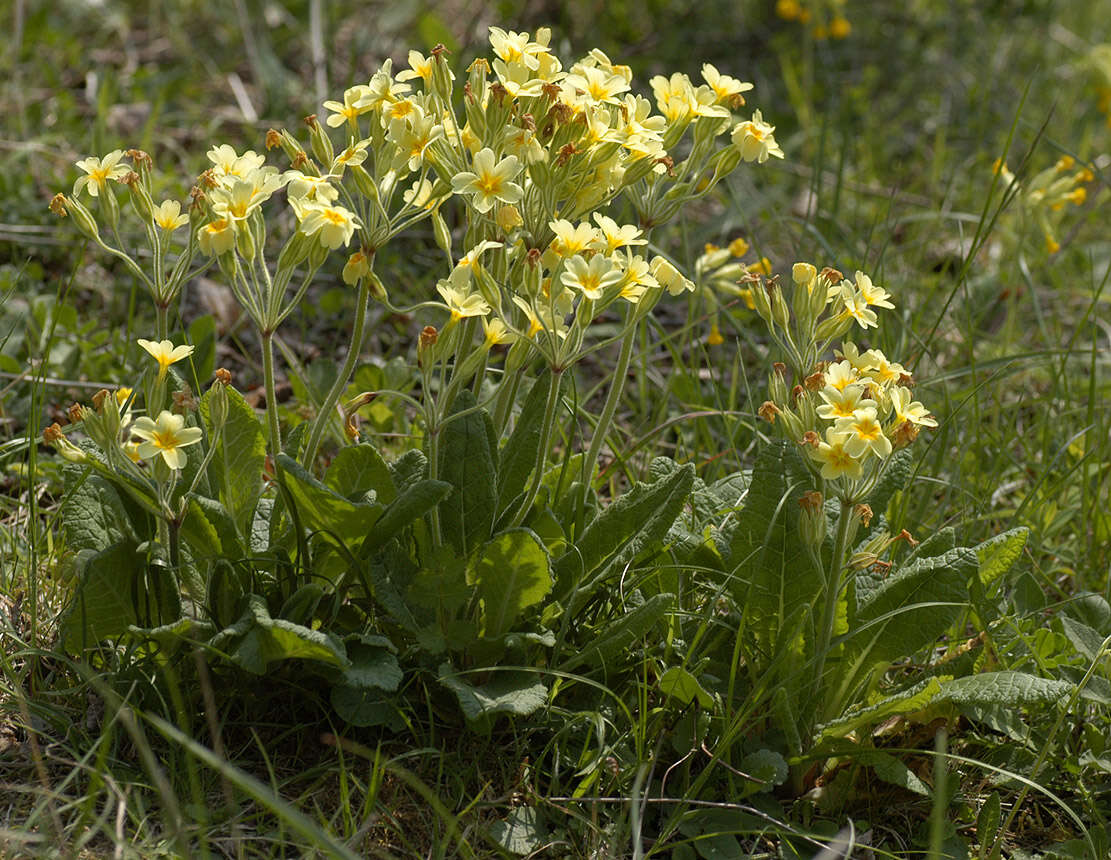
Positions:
{"x": 604, "y": 420}
{"x": 324, "y": 416}
{"x": 271, "y": 396}
{"x": 828, "y": 617}
{"x": 545, "y": 444}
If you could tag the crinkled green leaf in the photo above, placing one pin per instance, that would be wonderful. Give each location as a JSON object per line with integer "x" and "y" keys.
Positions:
{"x": 94, "y": 515}
{"x": 893, "y": 771}
{"x": 519, "y": 693}
{"x": 358, "y": 469}
{"x": 235, "y": 471}
{"x": 1011, "y": 689}
{"x": 366, "y": 706}
{"x": 905, "y": 702}
{"x": 414, "y": 501}
{"x": 896, "y": 472}
{"x": 511, "y": 572}
{"x": 518, "y": 456}
{"x": 210, "y": 531}
{"x": 521, "y": 832}
{"x": 767, "y": 769}
{"x": 772, "y": 574}
{"x": 372, "y": 666}
{"x": 103, "y": 602}
{"x": 912, "y": 607}
{"x": 997, "y": 554}
{"x": 322, "y": 509}
{"x": 1083, "y": 638}
{"x": 632, "y": 524}
{"x": 269, "y": 640}
{"x": 468, "y": 461}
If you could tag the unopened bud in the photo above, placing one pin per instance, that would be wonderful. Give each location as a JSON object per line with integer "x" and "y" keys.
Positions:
{"x": 441, "y": 232}
{"x": 54, "y": 437}
{"x": 82, "y": 218}
{"x": 318, "y": 138}
{"x": 812, "y": 520}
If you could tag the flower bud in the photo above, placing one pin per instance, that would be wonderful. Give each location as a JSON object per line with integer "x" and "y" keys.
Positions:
{"x": 812, "y": 520}
{"x": 357, "y": 266}
{"x": 364, "y": 182}
{"x": 82, "y": 218}
{"x": 441, "y": 232}
{"x": 54, "y": 437}
{"x": 140, "y": 197}
{"x": 295, "y": 250}
{"x": 319, "y": 141}
{"x": 780, "y": 312}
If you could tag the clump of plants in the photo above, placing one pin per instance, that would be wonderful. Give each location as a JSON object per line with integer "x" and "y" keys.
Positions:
{"x": 775, "y": 619}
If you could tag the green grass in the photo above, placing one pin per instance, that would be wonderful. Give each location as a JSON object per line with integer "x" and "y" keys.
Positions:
{"x": 890, "y": 138}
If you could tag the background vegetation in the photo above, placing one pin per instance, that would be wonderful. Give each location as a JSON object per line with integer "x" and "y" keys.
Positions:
{"x": 890, "y": 135}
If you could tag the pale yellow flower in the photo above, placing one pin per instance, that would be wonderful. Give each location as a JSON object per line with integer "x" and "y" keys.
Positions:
{"x": 863, "y": 434}
{"x": 332, "y": 225}
{"x": 843, "y": 403}
{"x": 165, "y": 353}
{"x": 489, "y": 182}
{"x": 216, "y": 237}
{"x": 906, "y": 409}
{"x": 835, "y": 458}
{"x": 99, "y": 172}
{"x": 613, "y": 236}
{"x": 462, "y": 304}
{"x": 591, "y": 279}
{"x": 755, "y": 140}
{"x": 166, "y": 436}
{"x": 167, "y": 215}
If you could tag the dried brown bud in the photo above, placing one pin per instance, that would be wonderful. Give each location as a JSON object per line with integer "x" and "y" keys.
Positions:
{"x": 498, "y": 93}
{"x": 566, "y": 153}
{"x": 98, "y": 398}
{"x": 796, "y": 392}
{"x": 533, "y": 257}
{"x": 273, "y": 138}
{"x": 222, "y": 375}
{"x": 440, "y": 50}
{"x": 184, "y": 402}
{"x": 310, "y": 121}
{"x": 53, "y": 434}
{"x": 904, "y": 535}
{"x": 527, "y": 121}
{"x": 299, "y": 160}
{"x": 140, "y": 158}
{"x": 550, "y": 92}
{"x": 208, "y": 179}
{"x": 811, "y": 501}
{"x": 865, "y": 514}
{"x": 428, "y": 336}
{"x": 130, "y": 178}
{"x": 905, "y": 434}
{"x": 815, "y": 381}
{"x": 779, "y": 367}
{"x": 58, "y": 205}
{"x": 906, "y": 380}
{"x": 811, "y": 438}
{"x": 832, "y": 275}
{"x": 768, "y": 411}
{"x": 668, "y": 162}
{"x": 75, "y": 413}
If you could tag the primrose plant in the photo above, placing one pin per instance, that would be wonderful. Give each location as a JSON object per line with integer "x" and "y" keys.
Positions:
{"x": 542, "y": 184}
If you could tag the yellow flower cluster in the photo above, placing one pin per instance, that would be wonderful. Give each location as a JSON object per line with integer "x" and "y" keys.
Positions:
{"x": 825, "y": 18}
{"x": 539, "y": 152}
{"x": 1047, "y": 193}
{"x": 848, "y": 414}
